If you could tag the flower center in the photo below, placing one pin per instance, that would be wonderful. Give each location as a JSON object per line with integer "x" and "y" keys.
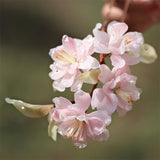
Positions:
{"x": 65, "y": 57}
{"x": 75, "y": 130}
{"x": 125, "y": 96}
{"x": 127, "y": 40}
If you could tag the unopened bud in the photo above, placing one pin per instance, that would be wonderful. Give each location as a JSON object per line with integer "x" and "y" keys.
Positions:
{"x": 148, "y": 54}
{"x": 30, "y": 110}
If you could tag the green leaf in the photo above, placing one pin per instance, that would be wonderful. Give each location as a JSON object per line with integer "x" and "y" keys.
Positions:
{"x": 30, "y": 110}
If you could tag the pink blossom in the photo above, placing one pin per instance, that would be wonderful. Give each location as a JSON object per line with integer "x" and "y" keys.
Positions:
{"x": 118, "y": 91}
{"x": 124, "y": 47}
{"x": 72, "y": 121}
{"x": 69, "y": 58}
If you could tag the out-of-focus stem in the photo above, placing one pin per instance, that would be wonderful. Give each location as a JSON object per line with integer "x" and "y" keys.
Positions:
{"x": 111, "y": 2}
{"x": 127, "y": 3}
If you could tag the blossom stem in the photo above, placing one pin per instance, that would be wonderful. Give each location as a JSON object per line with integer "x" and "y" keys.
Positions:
{"x": 111, "y": 2}
{"x": 94, "y": 87}
{"x": 104, "y": 27}
{"x": 127, "y": 3}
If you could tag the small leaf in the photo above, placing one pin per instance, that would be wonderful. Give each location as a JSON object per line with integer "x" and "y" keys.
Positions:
{"x": 148, "y": 54}
{"x": 52, "y": 129}
{"x": 90, "y": 77}
{"x": 30, "y": 110}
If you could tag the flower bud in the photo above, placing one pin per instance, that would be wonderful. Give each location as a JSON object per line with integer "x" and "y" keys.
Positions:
{"x": 148, "y": 54}
{"x": 30, "y": 110}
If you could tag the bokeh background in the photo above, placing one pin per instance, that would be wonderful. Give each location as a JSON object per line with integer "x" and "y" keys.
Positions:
{"x": 28, "y": 29}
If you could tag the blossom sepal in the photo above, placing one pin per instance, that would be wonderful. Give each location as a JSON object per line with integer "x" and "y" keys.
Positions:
{"x": 90, "y": 77}
{"x": 52, "y": 129}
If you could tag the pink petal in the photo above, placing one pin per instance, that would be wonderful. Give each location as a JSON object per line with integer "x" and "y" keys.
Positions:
{"x": 97, "y": 97}
{"x": 61, "y": 102}
{"x": 136, "y": 40}
{"x": 121, "y": 112}
{"x": 131, "y": 88}
{"x": 96, "y": 125}
{"x": 109, "y": 86}
{"x": 68, "y": 44}
{"x": 84, "y": 48}
{"x": 116, "y": 29}
{"x": 117, "y": 61}
{"x": 57, "y": 85}
{"x": 99, "y": 115}
{"x": 79, "y": 138}
{"x": 83, "y": 99}
{"x": 88, "y": 44}
{"x": 116, "y": 46}
{"x": 89, "y": 63}
{"x": 62, "y": 129}
{"x": 103, "y": 136}
{"x": 82, "y": 117}
{"x": 101, "y": 40}
{"x": 56, "y": 73}
{"x": 105, "y": 74}
{"x": 101, "y": 101}
{"x": 100, "y": 47}
{"x": 111, "y": 103}
{"x": 53, "y": 51}
{"x": 131, "y": 60}
{"x": 123, "y": 107}
{"x": 127, "y": 79}
{"x": 101, "y": 36}
{"x": 72, "y": 69}
{"x": 119, "y": 71}
{"x": 68, "y": 80}
{"x": 77, "y": 85}
{"x": 60, "y": 115}
{"x": 80, "y": 142}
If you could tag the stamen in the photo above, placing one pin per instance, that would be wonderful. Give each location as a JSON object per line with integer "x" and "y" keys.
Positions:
{"x": 127, "y": 41}
{"x": 125, "y": 96}
{"x": 79, "y": 138}
{"x": 65, "y": 57}
{"x": 79, "y": 132}
{"x": 71, "y": 130}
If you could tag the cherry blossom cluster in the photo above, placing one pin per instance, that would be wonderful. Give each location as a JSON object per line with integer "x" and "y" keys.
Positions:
{"x": 114, "y": 87}
{"x": 74, "y": 65}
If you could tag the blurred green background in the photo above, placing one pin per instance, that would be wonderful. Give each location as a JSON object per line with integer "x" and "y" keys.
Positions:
{"x": 29, "y": 28}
